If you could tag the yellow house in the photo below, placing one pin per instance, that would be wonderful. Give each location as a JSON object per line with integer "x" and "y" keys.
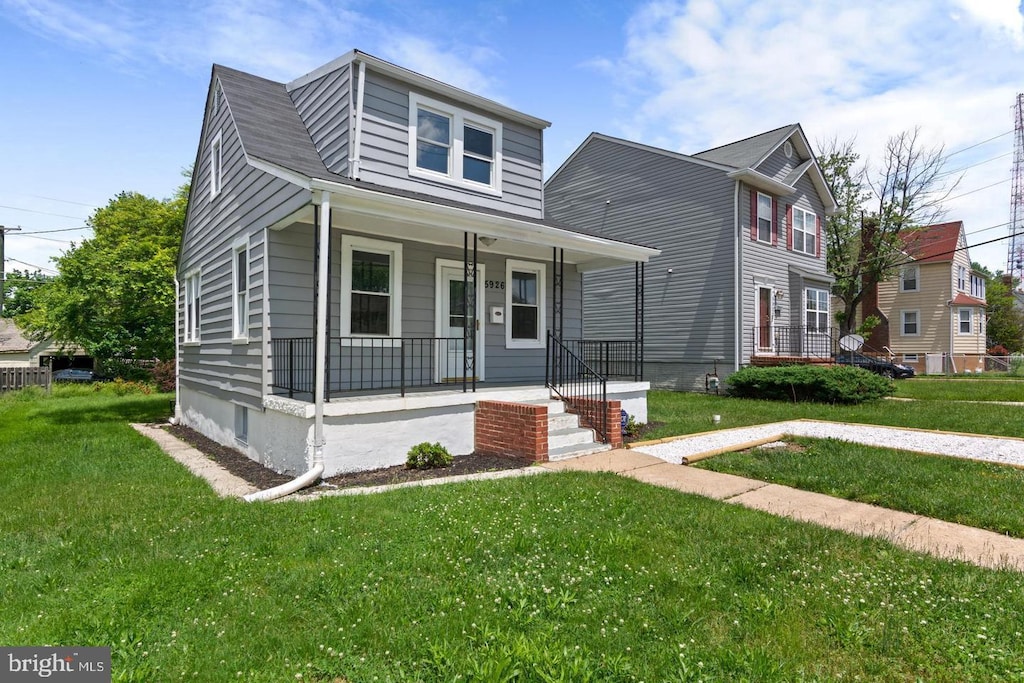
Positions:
{"x": 933, "y": 310}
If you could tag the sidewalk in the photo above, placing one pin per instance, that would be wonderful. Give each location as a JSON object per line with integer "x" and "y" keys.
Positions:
{"x": 913, "y": 532}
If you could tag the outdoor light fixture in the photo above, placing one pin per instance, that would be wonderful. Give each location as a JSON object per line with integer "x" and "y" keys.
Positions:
{"x": 488, "y": 241}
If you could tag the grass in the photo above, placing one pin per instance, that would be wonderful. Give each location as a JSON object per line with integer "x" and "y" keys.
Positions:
{"x": 977, "y": 494}
{"x": 562, "y": 577}
{"x": 682, "y": 413}
{"x": 962, "y": 389}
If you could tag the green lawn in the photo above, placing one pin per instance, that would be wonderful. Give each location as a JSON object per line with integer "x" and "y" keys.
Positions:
{"x": 962, "y": 389}
{"x": 688, "y": 413}
{"x": 982, "y": 495}
{"x": 561, "y": 577}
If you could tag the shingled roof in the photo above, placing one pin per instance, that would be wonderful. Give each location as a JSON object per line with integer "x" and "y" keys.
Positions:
{"x": 933, "y": 243}
{"x": 749, "y": 152}
{"x": 11, "y": 338}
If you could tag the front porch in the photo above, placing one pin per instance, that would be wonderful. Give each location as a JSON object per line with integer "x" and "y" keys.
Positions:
{"x": 789, "y": 345}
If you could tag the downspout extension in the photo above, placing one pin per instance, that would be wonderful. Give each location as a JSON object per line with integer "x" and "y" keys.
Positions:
{"x": 320, "y": 371}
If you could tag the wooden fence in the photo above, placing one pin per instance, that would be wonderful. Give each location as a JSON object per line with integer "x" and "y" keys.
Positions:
{"x": 19, "y": 378}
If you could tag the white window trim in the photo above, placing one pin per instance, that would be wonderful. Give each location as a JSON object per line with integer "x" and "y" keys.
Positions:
{"x": 240, "y": 318}
{"x": 903, "y": 323}
{"x": 771, "y": 217}
{"x": 542, "y": 324}
{"x": 216, "y": 165}
{"x": 827, "y": 311}
{"x": 192, "y": 300}
{"x": 960, "y": 321}
{"x": 393, "y": 250}
{"x": 460, "y": 119}
{"x": 961, "y": 279}
{"x": 911, "y": 358}
{"x": 917, "y": 279}
{"x": 813, "y": 232}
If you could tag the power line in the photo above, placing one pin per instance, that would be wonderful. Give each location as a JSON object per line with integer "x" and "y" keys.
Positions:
{"x": 979, "y": 189}
{"x": 44, "y": 213}
{"x": 31, "y": 265}
{"x": 979, "y": 144}
{"x": 44, "y": 232}
{"x": 55, "y": 199}
{"x": 964, "y": 168}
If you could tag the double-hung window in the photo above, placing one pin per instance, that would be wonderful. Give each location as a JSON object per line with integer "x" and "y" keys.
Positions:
{"x": 805, "y": 231}
{"x": 977, "y": 286}
{"x": 908, "y": 279}
{"x": 961, "y": 279}
{"x": 240, "y": 291}
{"x": 454, "y": 146}
{"x": 216, "y": 165}
{"x": 371, "y": 299}
{"x": 964, "y": 316}
{"x": 191, "y": 307}
{"x": 765, "y": 219}
{"x": 816, "y": 310}
{"x": 909, "y": 323}
{"x": 524, "y": 299}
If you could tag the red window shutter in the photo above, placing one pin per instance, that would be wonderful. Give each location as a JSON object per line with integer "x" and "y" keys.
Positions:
{"x": 789, "y": 227}
{"x": 753, "y": 215}
{"x": 817, "y": 232}
{"x": 775, "y": 222}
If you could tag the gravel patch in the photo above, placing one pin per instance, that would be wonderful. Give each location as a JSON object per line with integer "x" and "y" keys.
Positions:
{"x": 1003, "y": 450}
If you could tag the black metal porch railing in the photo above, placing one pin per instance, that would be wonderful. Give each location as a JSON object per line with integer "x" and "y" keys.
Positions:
{"x": 580, "y": 386}
{"x": 794, "y": 342}
{"x": 615, "y": 358}
{"x": 369, "y": 364}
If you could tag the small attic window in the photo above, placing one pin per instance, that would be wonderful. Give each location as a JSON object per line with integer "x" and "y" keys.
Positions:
{"x": 787, "y": 149}
{"x": 218, "y": 95}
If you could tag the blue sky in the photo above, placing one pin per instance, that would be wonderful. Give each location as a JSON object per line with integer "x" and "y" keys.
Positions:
{"x": 102, "y": 96}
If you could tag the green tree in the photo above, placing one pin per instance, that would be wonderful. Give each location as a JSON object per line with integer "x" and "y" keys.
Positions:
{"x": 1005, "y": 319}
{"x": 875, "y": 206}
{"x": 18, "y": 291}
{"x": 114, "y": 294}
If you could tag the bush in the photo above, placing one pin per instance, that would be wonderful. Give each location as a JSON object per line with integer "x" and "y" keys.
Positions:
{"x": 426, "y": 456}
{"x": 812, "y": 383}
{"x": 163, "y": 375}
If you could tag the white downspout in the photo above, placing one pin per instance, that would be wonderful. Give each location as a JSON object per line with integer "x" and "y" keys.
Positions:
{"x": 355, "y": 152}
{"x": 738, "y": 255}
{"x": 320, "y": 368}
{"x": 175, "y": 418}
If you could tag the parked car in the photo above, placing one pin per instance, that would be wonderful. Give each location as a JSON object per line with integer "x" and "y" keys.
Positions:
{"x": 880, "y": 366}
{"x": 77, "y": 375}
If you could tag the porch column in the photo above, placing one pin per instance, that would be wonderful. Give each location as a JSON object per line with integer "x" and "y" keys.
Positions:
{"x": 638, "y": 322}
{"x": 557, "y": 280}
{"x": 469, "y": 304}
{"x": 323, "y": 234}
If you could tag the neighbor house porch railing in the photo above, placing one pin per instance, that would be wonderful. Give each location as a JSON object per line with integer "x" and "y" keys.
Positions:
{"x": 369, "y": 364}
{"x": 616, "y": 358}
{"x": 580, "y": 386}
{"x": 794, "y": 342}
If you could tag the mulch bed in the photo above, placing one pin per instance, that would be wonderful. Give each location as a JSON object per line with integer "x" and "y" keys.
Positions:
{"x": 263, "y": 478}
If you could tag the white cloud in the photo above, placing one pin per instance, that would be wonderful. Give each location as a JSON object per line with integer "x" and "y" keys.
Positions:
{"x": 998, "y": 16}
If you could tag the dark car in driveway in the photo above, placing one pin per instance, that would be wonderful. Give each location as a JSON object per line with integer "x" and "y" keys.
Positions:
{"x": 77, "y": 375}
{"x": 879, "y": 366}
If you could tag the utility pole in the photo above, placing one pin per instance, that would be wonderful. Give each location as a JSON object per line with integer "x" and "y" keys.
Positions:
{"x": 3, "y": 268}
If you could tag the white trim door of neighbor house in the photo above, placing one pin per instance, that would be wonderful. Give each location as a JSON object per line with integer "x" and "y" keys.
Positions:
{"x": 765, "y": 320}
{"x": 452, "y": 359}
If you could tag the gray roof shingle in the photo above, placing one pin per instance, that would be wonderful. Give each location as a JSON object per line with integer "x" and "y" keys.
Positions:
{"x": 749, "y": 152}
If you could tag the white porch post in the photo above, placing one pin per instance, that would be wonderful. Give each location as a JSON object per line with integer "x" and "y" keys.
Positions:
{"x": 322, "y": 321}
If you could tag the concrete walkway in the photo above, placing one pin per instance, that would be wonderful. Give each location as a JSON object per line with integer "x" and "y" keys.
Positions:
{"x": 914, "y": 532}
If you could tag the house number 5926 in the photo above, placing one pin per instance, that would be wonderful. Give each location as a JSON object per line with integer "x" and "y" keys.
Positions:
{"x": 494, "y": 284}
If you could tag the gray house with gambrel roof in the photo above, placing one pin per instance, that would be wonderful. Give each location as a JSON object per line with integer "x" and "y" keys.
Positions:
{"x": 365, "y": 259}
{"x": 741, "y": 278}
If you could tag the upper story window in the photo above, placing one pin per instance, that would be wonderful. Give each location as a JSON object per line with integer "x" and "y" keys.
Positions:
{"x": 453, "y": 146}
{"x": 816, "y": 309}
{"x": 524, "y": 299}
{"x": 765, "y": 219}
{"x": 371, "y": 299}
{"x": 805, "y": 231}
{"x": 977, "y": 286}
{"x": 191, "y": 307}
{"x": 908, "y": 279}
{"x": 216, "y": 165}
{"x": 961, "y": 279}
{"x": 240, "y": 291}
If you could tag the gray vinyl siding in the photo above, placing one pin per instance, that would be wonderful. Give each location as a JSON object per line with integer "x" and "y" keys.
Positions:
{"x": 324, "y": 107}
{"x": 777, "y": 166}
{"x": 291, "y": 269}
{"x": 384, "y": 152}
{"x": 249, "y": 200}
{"x": 769, "y": 265}
{"x": 683, "y": 208}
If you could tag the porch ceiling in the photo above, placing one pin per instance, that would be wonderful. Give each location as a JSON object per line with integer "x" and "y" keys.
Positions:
{"x": 405, "y": 218}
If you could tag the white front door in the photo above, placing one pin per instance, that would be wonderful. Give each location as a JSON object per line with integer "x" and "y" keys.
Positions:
{"x": 456, "y": 361}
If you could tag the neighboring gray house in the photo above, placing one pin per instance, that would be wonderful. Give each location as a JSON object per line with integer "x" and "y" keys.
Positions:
{"x": 741, "y": 278}
{"x": 365, "y": 258}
